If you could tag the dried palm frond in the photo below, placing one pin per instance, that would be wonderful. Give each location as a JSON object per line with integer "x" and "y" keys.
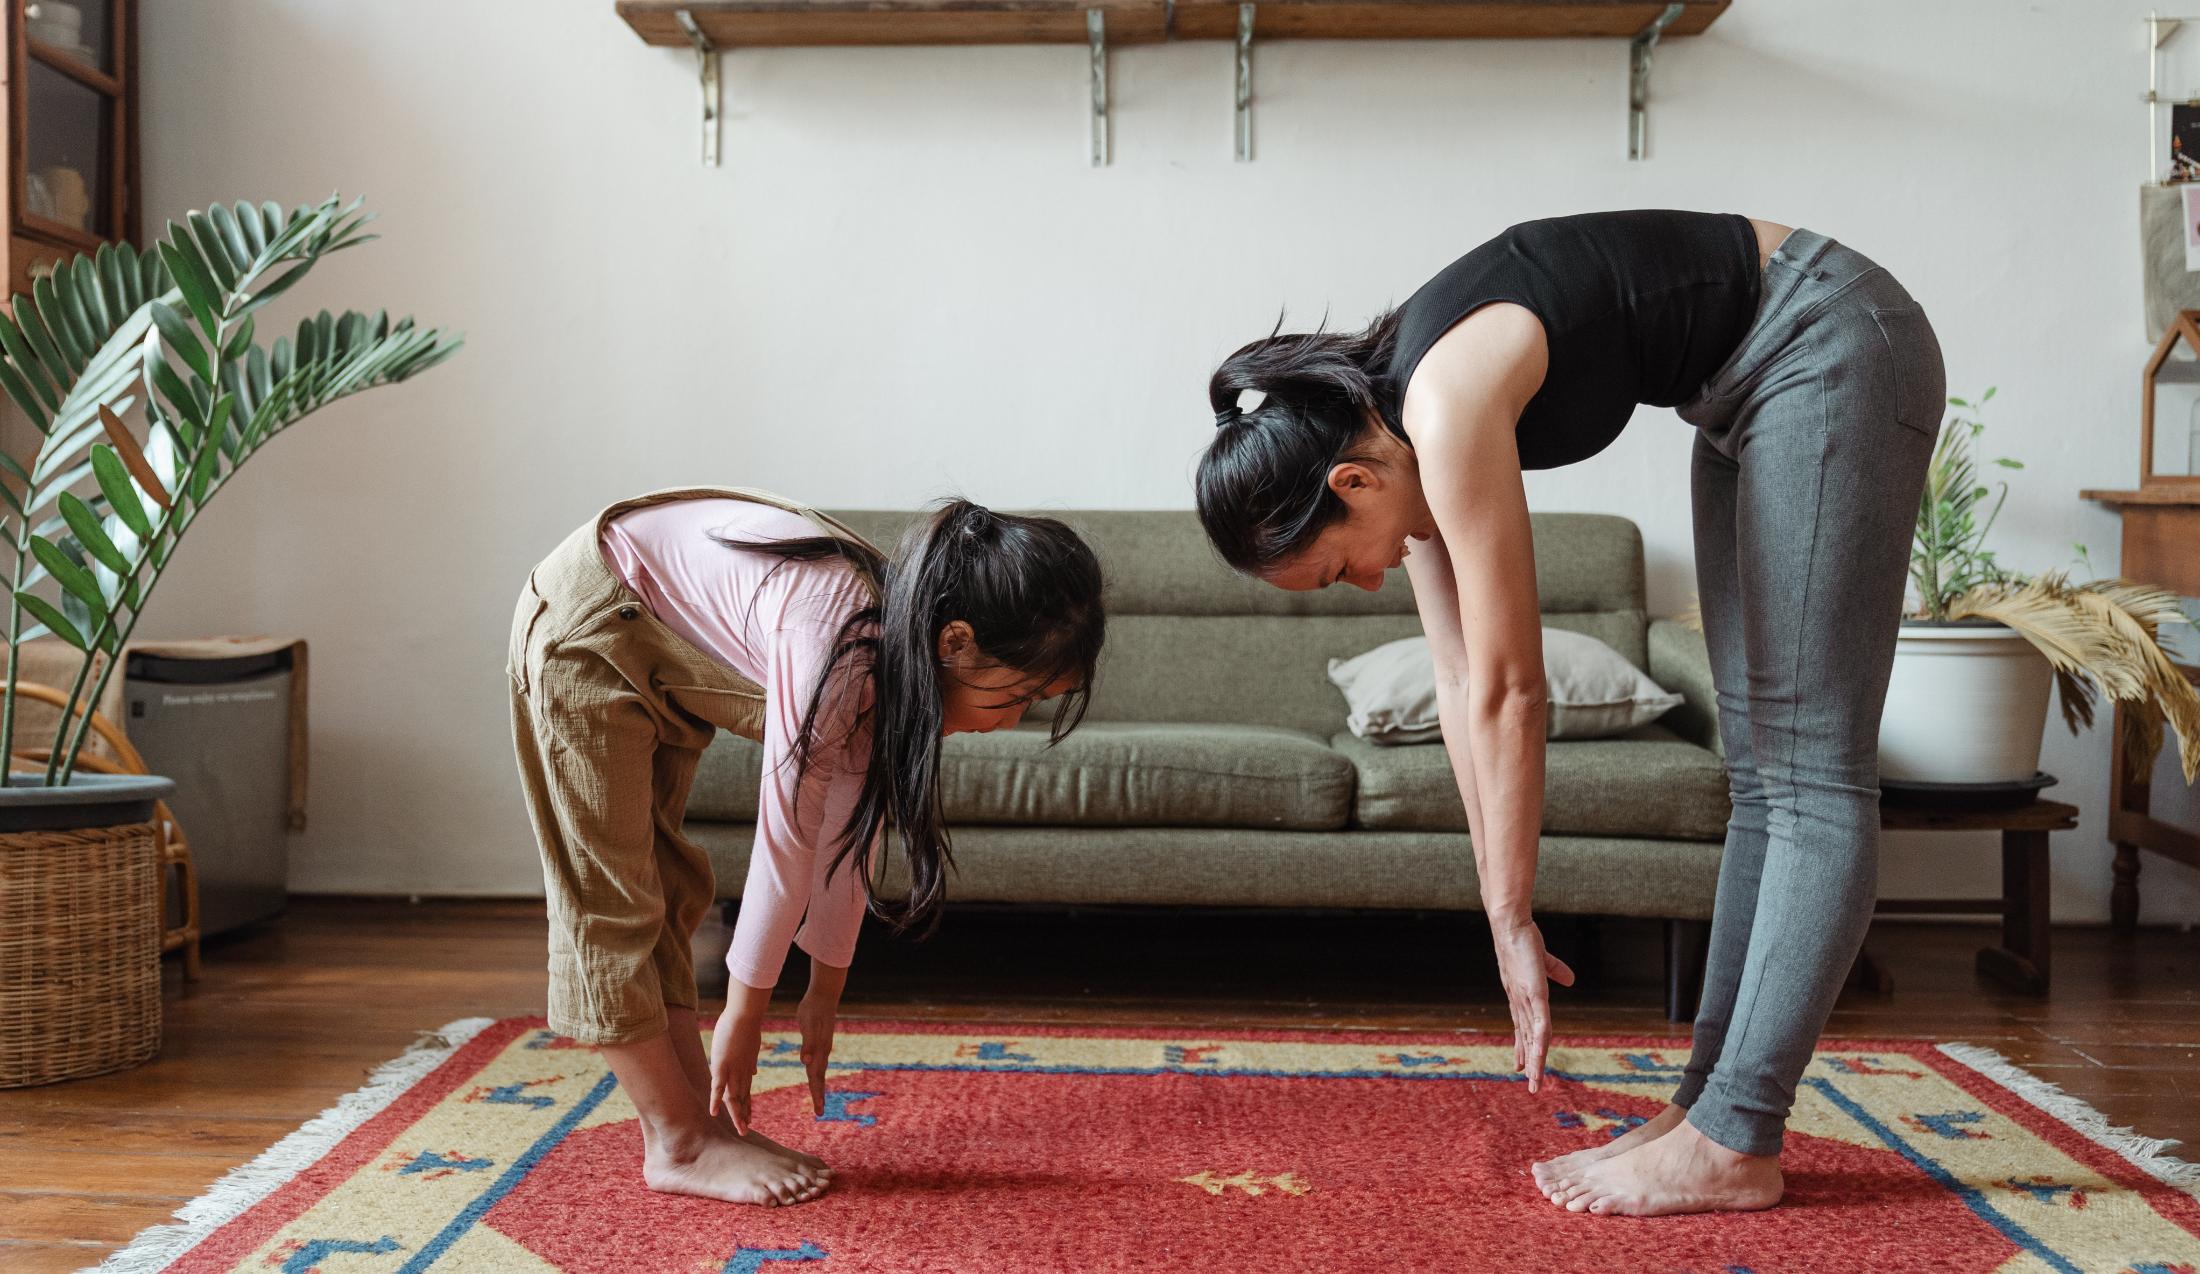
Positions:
{"x": 2103, "y": 635}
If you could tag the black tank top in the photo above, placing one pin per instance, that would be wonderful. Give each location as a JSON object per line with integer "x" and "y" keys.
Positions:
{"x": 1637, "y": 307}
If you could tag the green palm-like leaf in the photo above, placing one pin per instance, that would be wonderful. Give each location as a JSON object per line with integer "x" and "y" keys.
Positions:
{"x": 170, "y": 328}
{"x": 53, "y": 620}
{"x": 86, "y": 526}
{"x": 121, "y": 491}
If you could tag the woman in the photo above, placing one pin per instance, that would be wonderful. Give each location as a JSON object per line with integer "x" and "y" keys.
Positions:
{"x": 1815, "y": 386}
{"x": 669, "y": 617}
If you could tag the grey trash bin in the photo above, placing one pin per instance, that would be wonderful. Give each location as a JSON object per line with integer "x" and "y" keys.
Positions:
{"x": 220, "y": 725}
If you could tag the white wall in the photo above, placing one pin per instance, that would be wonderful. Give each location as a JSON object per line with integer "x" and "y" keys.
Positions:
{"x": 906, "y": 280}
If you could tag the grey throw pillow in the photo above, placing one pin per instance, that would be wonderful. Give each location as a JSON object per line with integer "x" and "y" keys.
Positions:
{"x": 1594, "y": 691}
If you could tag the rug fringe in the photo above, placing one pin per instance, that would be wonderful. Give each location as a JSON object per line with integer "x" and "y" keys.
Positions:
{"x": 228, "y": 1198}
{"x": 2145, "y": 1153}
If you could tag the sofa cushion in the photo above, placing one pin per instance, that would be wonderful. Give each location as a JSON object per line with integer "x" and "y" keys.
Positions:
{"x": 1591, "y": 693}
{"x": 1107, "y": 773}
{"x": 1130, "y": 774}
{"x": 1648, "y": 782}
{"x": 1190, "y": 640}
{"x": 727, "y": 780}
{"x": 1245, "y": 867}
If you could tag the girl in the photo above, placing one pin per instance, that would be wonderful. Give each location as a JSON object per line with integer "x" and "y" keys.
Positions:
{"x": 672, "y": 616}
{"x": 1815, "y": 386}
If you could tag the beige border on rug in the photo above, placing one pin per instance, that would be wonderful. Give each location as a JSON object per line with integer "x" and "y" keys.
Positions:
{"x": 241, "y": 1188}
{"x": 2143, "y": 1152}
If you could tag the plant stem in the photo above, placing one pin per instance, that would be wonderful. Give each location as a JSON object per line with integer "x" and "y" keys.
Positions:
{"x": 62, "y": 765}
{"x": 7, "y": 709}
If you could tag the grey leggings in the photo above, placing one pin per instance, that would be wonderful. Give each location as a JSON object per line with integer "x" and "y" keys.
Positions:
{"x": 1810, "y": 457}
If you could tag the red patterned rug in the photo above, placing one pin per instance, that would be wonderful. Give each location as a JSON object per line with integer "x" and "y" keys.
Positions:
{"x": 497, "y": 1146}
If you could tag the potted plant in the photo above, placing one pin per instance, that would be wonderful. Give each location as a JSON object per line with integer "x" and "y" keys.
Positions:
{"x": 1982, "y": 644}
{"x": 93, "y": 515}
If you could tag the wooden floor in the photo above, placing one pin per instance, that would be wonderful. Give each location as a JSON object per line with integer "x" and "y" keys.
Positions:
{"x": 291, "y": 1014}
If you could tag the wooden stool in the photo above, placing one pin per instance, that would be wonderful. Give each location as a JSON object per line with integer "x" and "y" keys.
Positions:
{"x": 2021, "y": 961}
{"x": 175, "y": 853}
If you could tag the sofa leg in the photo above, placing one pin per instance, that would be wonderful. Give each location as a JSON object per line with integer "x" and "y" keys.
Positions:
{"x": 1687, "y": 943}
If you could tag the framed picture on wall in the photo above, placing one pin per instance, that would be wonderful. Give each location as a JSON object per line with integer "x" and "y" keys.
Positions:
{"x": 2184, "y": 142}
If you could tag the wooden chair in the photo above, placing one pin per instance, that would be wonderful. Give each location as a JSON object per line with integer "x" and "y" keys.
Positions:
{"x": 175, "y": 853}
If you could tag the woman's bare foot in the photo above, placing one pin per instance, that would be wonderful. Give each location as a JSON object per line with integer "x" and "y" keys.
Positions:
{"x": 1554, "y": 1176}
{"x": 715, "y": 1164}
{"x": 1683, "y": 1171}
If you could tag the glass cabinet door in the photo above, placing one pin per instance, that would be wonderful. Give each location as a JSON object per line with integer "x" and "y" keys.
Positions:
{"x": 76, "y": 28}
{"x": 68, "y": 106}
{"x": 67, "y": 173}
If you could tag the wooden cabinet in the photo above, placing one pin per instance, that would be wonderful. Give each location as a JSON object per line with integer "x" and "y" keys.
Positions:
{"x": 2161, "y": 547}
{"x": 71, "y": 122}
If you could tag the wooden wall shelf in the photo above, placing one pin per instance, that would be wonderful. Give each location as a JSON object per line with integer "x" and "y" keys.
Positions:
{"x": 786, "y": 23}
{"x": 709, "y": 27}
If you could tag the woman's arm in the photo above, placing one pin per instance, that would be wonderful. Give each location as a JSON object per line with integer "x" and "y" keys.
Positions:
{"x": 1436, "y": 596}
{"x": 1465, "y": 401}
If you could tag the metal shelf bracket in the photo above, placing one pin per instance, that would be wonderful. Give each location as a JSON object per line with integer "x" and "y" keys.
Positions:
{"x": 1639, "y": 50}
{"x": 706, "y": 61}
{"x": 1096, "y": 40}
{"x": 1245, "y": 83}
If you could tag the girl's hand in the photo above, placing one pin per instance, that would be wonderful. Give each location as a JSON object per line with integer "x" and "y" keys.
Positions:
{"x": 819, "y": 1008}
{"x": 816, "y": 1016}
{"x": 1525, "y": 967}
{"x": 733, "y": 1047}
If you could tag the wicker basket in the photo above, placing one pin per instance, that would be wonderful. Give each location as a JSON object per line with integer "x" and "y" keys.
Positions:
{"x": 80, "y": 926}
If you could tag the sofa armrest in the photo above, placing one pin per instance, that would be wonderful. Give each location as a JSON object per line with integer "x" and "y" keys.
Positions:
{"x": 1680, "y": 663}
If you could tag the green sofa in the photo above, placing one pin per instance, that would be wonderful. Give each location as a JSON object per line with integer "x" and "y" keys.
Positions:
{"x": 1214, "y": 767}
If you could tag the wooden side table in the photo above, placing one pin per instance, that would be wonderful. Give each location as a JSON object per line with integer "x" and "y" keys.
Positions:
{"x": 2161, "y": 547}
{"x": 2021, "y": 962}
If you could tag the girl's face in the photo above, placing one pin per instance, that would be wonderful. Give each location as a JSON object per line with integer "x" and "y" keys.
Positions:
{"x": 978, "y": 696}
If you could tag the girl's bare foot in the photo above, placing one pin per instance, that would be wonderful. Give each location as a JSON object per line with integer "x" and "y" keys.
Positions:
{"x": 1554, "y": 1176}
{"x": 1683, "y": 1171}
{"x": 816, "y": 1165}
{"x": 715, "y": 1164}
{"x": 685, "y": 1033}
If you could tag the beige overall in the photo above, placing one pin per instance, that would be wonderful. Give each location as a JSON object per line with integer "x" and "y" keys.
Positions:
{"x": 611, "y": 710}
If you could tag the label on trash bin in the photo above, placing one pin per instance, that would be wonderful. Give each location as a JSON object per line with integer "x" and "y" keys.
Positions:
{"x": 215, "y": 696}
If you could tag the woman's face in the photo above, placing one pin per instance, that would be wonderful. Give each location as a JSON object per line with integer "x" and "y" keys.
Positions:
{"x": 1384, "y": 514}
{"x": 977, "y": 695}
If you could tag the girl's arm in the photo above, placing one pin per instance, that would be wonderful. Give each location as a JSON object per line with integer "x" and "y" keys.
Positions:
{"x": 799, "y": 818}
{"x": 1466, "y": 399}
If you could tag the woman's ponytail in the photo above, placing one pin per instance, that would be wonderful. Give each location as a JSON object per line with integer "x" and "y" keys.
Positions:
{"x": 1263, "y": 483}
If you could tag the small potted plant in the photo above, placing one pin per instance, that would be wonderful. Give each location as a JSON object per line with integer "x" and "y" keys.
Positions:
{"x": 93, "y": 515}
{"x": 1982, "y": 644}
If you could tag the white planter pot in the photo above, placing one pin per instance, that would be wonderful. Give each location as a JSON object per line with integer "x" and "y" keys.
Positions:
{"x": 1967, "y": 704}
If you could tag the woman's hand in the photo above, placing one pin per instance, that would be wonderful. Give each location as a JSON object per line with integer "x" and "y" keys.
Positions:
{"x": 1525, "y": 967}
{"x": 733, "y": 1047}
{"x": 819, "y": 1009}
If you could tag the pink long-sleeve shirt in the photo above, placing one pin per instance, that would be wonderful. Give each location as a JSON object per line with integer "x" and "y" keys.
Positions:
{"x": 775, "y": 622}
